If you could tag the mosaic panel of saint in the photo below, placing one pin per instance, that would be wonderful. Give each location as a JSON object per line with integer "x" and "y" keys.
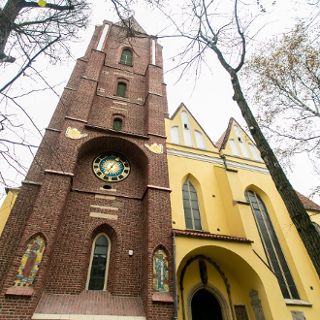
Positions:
{"x": 30, "y": 262}
{"x": 160, "y": 271}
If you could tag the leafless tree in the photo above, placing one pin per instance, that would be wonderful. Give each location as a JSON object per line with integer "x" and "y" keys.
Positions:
{"x": 28, "y": 27}
{"x": 221, "y": 28}
{"x": 30, "y": 30}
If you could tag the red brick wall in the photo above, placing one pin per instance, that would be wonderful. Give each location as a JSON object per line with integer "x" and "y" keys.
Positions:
{"x": 60, "y": 209}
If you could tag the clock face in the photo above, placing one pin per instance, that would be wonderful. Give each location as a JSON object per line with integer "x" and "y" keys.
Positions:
{"x": 111, "y": 167}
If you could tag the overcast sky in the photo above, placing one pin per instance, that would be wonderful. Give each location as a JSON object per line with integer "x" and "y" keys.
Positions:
{"x": 208, "y": 97}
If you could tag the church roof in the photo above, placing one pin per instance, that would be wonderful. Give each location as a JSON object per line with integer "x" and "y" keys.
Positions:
{"x": 307, "y": 203}
{"x": 222, "y": 141}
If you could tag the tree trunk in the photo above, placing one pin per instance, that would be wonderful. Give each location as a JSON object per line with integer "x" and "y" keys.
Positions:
{"x": 297, "y": 212}
{"x": 7, "y": 17}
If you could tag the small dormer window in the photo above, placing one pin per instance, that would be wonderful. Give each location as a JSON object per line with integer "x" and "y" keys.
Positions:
{"x": 126, "y": 57}
{"x": 185, "y": 125}
{"x": 239, "y": 139}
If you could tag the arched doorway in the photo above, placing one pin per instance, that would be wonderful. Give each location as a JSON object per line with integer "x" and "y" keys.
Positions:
{"x": 205, "y": 306}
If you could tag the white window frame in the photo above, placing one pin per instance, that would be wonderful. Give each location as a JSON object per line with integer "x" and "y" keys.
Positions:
{"x": 107, "y": 264}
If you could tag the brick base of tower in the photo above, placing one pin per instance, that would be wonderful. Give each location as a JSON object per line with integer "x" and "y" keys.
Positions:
{"x": 66, "y": 204}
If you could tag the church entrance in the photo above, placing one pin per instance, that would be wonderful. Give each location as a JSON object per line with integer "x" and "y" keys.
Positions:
{"x": 205, "y": 306}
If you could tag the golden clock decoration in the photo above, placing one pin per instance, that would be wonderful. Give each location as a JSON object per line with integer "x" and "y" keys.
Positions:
{"x": 111, "y": 167}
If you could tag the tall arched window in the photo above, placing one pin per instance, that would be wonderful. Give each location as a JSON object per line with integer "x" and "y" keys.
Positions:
{"x": 191, "y": 206}
{"x": 272, "y": 247}
{"x": 126, "y": 57}
{"x": 121, "y": 89}
{"x": 98, "y": 269}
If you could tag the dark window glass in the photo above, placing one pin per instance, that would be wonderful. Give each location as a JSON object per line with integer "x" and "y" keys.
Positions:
{"x": 121, "y": 89}
{"x": 126, "y": 57}
{"x": 117, "y": 124}
{"x": 272, "y": 246}
{"x": 191, "y": 207}
{"x": 99, "y": 264}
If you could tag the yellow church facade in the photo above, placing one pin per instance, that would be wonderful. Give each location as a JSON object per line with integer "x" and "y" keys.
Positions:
{"x": 6, "y": 206}
{"x": 237, "y": 250}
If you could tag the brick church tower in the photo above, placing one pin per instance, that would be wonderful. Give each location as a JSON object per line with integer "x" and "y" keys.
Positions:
{"x": 89, "y": 236}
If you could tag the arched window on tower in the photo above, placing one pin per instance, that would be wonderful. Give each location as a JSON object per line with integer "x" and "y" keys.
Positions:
{"x": 191, "y": 206}
{"x": 121, "y": 89}
{"x": 117, "y": 124}
{"x": 98, "y": 268}
{"x": 272, "y": 246}
{"x": 126, "y": 57}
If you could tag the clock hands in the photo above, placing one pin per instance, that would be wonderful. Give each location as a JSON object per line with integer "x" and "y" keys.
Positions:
{"x": 112, "y": 164}
{"x": 111, "y": 167}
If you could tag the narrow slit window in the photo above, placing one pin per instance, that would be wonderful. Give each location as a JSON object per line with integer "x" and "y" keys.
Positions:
{"x": 121, "y": 89}
{"x": 98, "y": 264}
{"x": 126, "y": 57}
{"x": 117, "y": 124}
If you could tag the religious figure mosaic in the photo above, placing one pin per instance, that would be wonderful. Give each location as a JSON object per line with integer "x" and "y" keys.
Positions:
{"x": 160, "y": 271}
{"x": 30, "y": 262}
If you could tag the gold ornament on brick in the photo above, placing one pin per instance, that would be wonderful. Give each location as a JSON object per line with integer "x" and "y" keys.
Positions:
{"x": 155, "y": 148}
{"x": 75, "y": 134}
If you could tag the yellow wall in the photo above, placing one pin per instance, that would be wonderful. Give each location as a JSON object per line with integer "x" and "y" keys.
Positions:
{"x": 224, "y": 210}
{"x": 7, "y": 206}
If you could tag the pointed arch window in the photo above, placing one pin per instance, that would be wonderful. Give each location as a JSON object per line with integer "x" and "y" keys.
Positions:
{"x": 126, "y": 57}
{"x": 191, "y": 206}
{"x": 272, "y": 246}
{"x": 98, "y": 269}
{"x": 121, "y": 89}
